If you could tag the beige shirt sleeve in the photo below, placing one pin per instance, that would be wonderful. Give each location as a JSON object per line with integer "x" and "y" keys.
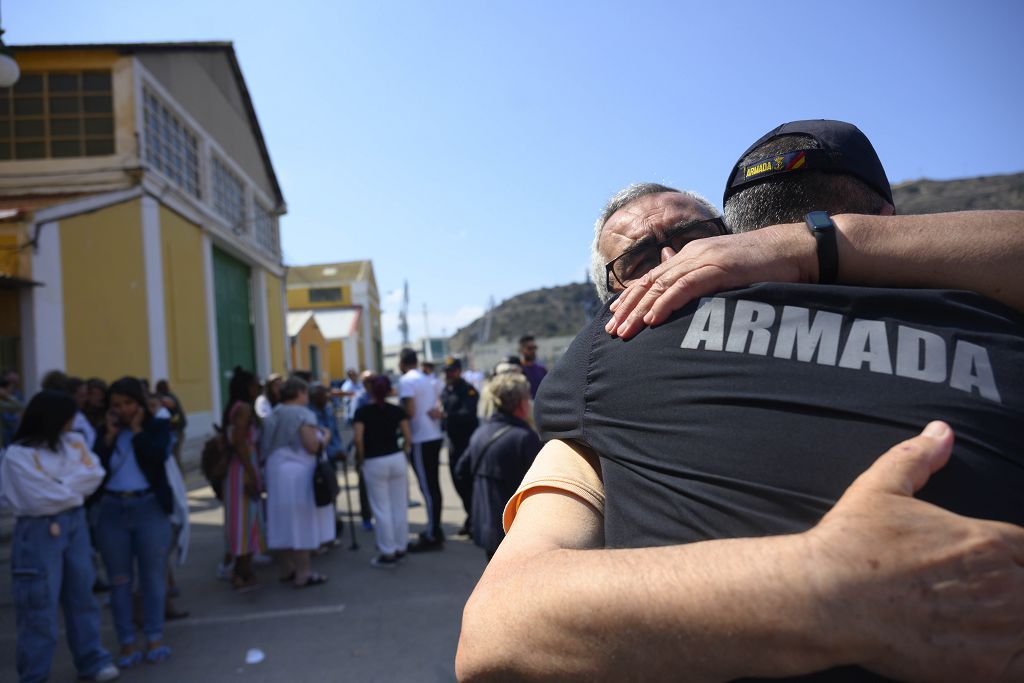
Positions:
{"x": 563, "y": 467}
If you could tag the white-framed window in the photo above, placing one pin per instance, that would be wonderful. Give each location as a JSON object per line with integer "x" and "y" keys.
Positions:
{"x": 171, "y": 147}
{"x": 266, "y": 228}
{"x": 228, "y": 195}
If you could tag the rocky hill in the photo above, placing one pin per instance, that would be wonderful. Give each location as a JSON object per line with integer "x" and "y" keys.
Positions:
{"x": 547, "y": 312}
{"x": 986, "y": 192}
{"x": 557, "y": 311}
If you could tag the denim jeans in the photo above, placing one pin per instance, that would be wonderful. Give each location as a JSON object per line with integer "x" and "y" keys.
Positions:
{"x": 133, "y": 530}
{"x": 49, "y": 571}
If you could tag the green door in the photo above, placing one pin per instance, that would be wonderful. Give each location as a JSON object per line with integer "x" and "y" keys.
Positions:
{"x": 235, "y": 345}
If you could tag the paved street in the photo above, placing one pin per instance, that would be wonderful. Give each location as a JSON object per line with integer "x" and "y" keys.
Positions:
{"x": 365, "y": 624}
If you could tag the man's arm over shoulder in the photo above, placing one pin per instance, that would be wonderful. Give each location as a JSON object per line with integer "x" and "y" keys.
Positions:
{"x": 883, "y": 581}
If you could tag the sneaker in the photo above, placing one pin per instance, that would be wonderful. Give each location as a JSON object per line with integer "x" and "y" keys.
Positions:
{"x": 399, "y": 555}
{"x": 225, "y": 571}
{"x": 384, "y": 562}
{"x": 107, "y": 673}
{"x": 426, "y": 545}
{"x": 367, "y": 525}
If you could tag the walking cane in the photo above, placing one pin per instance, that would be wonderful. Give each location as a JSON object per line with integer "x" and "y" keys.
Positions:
{"x": 348, "y": 500}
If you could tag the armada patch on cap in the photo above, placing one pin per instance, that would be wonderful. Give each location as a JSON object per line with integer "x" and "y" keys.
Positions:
{"x": 782, "y": 162}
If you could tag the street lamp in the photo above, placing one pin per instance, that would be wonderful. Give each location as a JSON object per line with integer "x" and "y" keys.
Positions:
{"x": 9, "y": 71}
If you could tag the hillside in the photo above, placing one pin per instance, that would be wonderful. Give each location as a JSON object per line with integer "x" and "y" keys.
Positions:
{"x": 556, "y": 311}
{"x": 547, "y": 312}
{"x": 985, "y": 192}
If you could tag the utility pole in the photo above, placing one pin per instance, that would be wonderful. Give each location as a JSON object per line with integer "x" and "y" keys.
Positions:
{"x": 403, "y": 315}
{"x": 426, "y": 334}
{"x": 485, "y": 335}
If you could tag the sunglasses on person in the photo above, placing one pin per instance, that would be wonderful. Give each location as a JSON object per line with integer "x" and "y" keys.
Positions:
{"x": 639, "y": 259}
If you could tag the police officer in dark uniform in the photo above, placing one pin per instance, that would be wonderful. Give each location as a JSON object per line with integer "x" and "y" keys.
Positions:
{"x": 459, "y": 400}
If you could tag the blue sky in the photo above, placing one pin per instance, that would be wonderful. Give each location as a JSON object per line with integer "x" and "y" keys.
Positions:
{"x": 468, "y": 146}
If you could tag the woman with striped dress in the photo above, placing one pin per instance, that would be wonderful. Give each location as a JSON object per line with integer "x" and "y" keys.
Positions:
{"x": 243, "y": 519}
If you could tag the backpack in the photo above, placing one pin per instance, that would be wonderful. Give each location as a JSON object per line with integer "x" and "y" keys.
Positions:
{"x": 214, "y": 461}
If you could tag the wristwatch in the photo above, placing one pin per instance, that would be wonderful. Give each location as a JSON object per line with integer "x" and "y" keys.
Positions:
{"x": 824, "y": 230}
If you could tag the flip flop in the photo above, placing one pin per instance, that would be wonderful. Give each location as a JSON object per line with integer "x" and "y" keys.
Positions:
{"x": 313, "y": 580}
{"x": 158, "y": 654}
{"x": 128, "y": 661}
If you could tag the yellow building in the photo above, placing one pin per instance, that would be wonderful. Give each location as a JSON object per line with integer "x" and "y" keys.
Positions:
{"x": 138, "y": 220}
{"x": 344, "y": 298}
{"x": 308, "y": 348}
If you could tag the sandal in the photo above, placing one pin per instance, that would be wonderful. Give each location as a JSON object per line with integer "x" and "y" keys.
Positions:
{"x": 312, "y": 580}
{"x": 245, "y": 585}
{"x": 129, "y": 660}
{"x": 158, "y": 654}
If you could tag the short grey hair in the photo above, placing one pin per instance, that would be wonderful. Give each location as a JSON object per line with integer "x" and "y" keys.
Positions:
{"x": 506, "y": 391}
{"x": 618, "y": 200}
{"x": 292, "y": 387}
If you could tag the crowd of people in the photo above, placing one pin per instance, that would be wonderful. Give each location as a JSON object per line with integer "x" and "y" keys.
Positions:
{"x": 91, "y": 473}
{"x": 88, "y": 471}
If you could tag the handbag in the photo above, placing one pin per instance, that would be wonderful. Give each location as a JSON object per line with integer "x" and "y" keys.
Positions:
{"x": 325, "y": 481}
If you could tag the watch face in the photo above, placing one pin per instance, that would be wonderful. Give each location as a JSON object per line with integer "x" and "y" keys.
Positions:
{"x": 819, "y": 220}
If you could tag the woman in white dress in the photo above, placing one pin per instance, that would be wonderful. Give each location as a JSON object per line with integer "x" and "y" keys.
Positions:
{"x": 295, "y": 525}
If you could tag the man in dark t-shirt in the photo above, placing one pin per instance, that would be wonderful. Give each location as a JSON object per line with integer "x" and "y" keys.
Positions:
{"x": 748, "y": 413}
{"x": 722, "y": 422}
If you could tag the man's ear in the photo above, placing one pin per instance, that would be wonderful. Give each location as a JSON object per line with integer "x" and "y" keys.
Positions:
{"x": 887, "y": 210}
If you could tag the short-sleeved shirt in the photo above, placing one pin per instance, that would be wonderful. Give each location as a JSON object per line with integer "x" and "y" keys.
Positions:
{"x": 282, "y": 426}
{"x": 535, "y": 372}
{"x": 414, "y": 384}
{"x": 380, "y": 428}
{"x": 750, "y": 412}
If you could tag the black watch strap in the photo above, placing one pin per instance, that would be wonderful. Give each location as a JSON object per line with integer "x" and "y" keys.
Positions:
{"x": 824, "y": 230}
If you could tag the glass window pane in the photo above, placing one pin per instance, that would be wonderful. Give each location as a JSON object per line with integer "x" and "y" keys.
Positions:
{"x": 64, "y": 105}
{"x": 98, "y": 104}
{"x": 5, "y": 150}
{"x": 29, "y": 83}
{"x": 63, "y": 83}
{"x": 96, "y": 80}
{"x": 59, "y": 127}
{"x": 28, "y": 106}
{"x": 5, "y": 104}
{"x": 5, "y": 128}
{"x": 65, "y": 148}
{"x": 29, "y": 128}
{"x": 99, "y": 147}
{"x": 99, "y": 126}
{"x": 29, "y": 150}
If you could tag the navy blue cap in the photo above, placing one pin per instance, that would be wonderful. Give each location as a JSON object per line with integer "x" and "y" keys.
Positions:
{"x": 844, "y": 149}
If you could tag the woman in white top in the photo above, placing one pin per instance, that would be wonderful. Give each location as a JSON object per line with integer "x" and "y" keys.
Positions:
{"x": 45, "y": 476}
{"x": 295, "y": 525}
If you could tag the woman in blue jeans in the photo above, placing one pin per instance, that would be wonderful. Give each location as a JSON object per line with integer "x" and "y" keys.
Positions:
{"x": 45, "y": 475}
{"x": 134, "y": 517}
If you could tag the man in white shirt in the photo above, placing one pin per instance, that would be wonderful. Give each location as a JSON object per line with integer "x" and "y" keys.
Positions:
{"x": 419, "y": 399}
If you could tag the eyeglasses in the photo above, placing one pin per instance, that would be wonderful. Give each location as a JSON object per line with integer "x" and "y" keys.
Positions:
{"x": 641, "y": 258}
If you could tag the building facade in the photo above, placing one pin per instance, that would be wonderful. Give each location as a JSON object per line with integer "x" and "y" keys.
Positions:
{"x": 344, "y": 298}
{"x": 307, "y": 346}
{"x": 139, "y": 221}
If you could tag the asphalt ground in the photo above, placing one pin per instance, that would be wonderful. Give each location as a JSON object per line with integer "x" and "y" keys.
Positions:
{"x": 364, "y": 624}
